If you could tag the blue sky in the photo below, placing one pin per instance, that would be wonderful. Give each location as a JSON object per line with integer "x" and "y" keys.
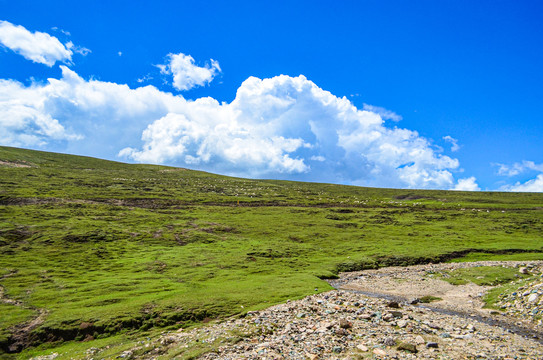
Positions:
{"x": 404, "y": 94}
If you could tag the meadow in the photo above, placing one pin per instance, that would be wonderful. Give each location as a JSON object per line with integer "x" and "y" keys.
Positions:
{"x": 100, "y": 252}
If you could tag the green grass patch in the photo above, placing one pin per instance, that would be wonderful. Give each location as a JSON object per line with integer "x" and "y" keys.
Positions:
{"x": 478, "y": 256}
{"x": 483, "y": 275}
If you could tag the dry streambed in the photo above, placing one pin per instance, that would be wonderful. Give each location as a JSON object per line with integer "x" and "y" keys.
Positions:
{"x": 374, "y": 315}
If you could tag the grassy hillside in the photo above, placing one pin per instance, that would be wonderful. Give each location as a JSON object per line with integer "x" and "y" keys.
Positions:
{"x": 93, "y": 249}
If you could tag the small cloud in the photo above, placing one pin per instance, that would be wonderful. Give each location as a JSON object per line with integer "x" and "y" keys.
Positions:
{"x": 186, "y": 74}
{"x": 67, "y": 33}
{"x": 467, "y": 184}
{"x": 77, "y": 49}
{"x": 120, "y": 53}
{"x": 36, "y": 46}
{"x": 382, "y": 112}
{"x": 318, "y": 158}
{"x": 145, "y": 78}
{"x": 533, "y": 185}
{"x": 453, "y": 141}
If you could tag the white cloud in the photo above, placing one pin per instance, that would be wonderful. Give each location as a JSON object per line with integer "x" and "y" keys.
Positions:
{"x": 518, "y": 168}
{"x": 453, "y": 141}
{"x": 38, "y": 47}
{"x": 288, "y": 125}
{"x": 467, "y": 184}
{"x": 317, "y": 158}
{"x": 74, "y": 115}
{"x": 23, "y": 119}
{"x": 533, "y": 185}
{"x": 283, "y": 127}
{"x": 186, "y": 74}
{"x": 525, "y": 166}
{"x": 384, "y": 113}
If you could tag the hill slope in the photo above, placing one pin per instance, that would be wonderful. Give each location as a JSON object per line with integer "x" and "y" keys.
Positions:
{"x": 93, "y": 249}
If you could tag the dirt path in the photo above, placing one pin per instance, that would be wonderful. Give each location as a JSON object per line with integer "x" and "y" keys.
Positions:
{"x": 415, "y": 282}
{"x": 20, "y": 333}
{"x": 409, "y": 284}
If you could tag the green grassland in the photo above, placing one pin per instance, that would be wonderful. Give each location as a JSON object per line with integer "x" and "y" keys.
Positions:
{"x": 105, "y": 250}
{"x": 483, "y": 276}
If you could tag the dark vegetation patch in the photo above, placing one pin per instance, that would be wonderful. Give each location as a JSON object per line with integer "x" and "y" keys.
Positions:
{"x": 95, "y": 236}
{"x": 270, "y": 254}
{"x": 429, "y": 299}
{"x": 377, "y": 262}
{"x": 409, "y": 197}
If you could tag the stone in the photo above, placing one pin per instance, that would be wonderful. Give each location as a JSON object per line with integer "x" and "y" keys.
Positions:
{"x": 393, "y": 304}
{"x": 362, "y": 347}
{"x": 419, "y": 340}
{"x": 432, "y": 345}
{"x": 405, "y": 346}
{"x": 533, "y": 298}
{"x": 524, "y": 270}
{"x": 402, "y": 323}
{"x": 389, "y": 341}
{"x": 344, "y": 324}
{"x": 379, "y": 352}
{"x": 337, "y": 349}
{"x": 397, "y": 314}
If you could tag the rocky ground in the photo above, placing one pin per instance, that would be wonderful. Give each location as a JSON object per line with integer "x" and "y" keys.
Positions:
{"x": 346, "y": 324}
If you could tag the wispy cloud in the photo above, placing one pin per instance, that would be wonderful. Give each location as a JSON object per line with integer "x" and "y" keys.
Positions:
{"x": 453, "y": 141}
{"x": 382, "y": 112}
{"x": 36, "y": 46}
{"x": 186, "y": 74}
{"x": 77, "y": 49}
{"x": 518, "y": 168}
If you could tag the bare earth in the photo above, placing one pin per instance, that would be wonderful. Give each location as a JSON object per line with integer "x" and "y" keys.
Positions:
{"x": 418, "y": 281}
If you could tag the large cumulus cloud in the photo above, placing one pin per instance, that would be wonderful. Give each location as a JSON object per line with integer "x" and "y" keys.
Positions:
{"x": 288, "y": 125}
{"x": 281, "y": 127}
